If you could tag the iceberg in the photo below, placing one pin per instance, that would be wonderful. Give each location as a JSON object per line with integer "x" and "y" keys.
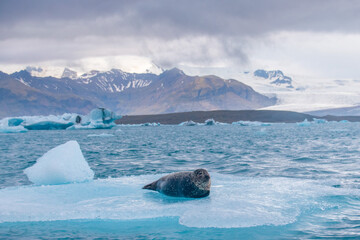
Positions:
{"x": 8, "y": 126}
{"x": 101, "y": 135}
{"x": 188, "y": 123}
{"x": 99, "y": 118}
{"x": 17, "y": 129}
{"x": 251, "y": 123}
{"x": 14, "y": 122}
{"x": 210, "y": 122}
{"x": 48, "y": 125}
{"x": 151, "y": 124}
{"x": 304, "y": 123}
{"x": 62, "y": 164}
{"x": 320, "y": 121}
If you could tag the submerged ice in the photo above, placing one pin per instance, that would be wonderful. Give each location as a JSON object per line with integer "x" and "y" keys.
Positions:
{"x": 62, "y": 164}
{"x": 98, "y": 118}
{"x": 234, "y": 202}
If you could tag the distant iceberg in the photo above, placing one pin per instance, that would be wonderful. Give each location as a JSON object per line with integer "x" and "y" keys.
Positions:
{"x": 319, "y": 121}
{"x": 304, "y": 123}
{"x": 62, "y": 164}
{"x": 98, "y": 118}
{"x": 210, "y": 122}
{"x": 251, "y": 123}
{"x": 16, "y": 129}
{"x": 101, "y": 135}
{"x": 314, "y": 121}
{"x": 154, "y": 124}
{"x": 188, "y": 123}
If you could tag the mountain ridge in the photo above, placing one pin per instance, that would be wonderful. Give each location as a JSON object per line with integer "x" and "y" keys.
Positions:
{"x": 130, "y": 93}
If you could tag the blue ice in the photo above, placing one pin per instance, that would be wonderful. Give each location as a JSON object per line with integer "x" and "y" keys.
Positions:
{"x": 98, "y": 118}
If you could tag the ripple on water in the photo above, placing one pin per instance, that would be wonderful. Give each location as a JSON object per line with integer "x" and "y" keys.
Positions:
{"x": 304, "y": 159}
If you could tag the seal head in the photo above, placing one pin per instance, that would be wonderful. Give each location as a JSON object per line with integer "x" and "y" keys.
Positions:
{"x": 194, "y": 184}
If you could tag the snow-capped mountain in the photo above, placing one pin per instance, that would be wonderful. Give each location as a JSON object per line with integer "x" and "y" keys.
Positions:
{"x": 174, "y": 91}
{"x": 275, "y": 77}
{"x": 115, "y": 80}
{"x": 131, "y": 64}
{"x": 126, "y": 93}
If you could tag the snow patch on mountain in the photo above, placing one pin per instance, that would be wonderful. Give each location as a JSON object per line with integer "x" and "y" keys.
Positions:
{"x": 114, "y": 80}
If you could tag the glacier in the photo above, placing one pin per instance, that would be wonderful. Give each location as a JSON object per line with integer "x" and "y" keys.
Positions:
{"x": 98, "y": 118}
{"x": 62, "y": 164}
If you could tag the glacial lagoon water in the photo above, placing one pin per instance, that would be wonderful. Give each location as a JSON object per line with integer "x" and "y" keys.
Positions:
{"x": 283, "y": 181}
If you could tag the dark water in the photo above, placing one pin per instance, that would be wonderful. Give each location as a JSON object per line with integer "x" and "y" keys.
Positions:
{"x": 276, "y": 182}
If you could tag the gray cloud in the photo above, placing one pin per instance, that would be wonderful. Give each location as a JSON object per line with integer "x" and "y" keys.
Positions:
{"x": 205, "y": 31}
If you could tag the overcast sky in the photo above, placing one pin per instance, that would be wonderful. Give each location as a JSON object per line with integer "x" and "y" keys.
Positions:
{"x": 318, "y": 38}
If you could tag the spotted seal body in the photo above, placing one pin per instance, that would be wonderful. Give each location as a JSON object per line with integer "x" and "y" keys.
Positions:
{"x": 194, "y": 184}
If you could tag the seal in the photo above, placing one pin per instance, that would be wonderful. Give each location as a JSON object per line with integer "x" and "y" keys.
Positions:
{"x": 194, "y": 184}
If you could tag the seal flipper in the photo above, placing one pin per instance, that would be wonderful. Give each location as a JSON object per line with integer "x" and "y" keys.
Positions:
{"x": 151, "y": 186}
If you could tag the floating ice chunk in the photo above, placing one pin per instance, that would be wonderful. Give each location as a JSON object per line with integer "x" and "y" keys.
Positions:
{"x": 103, "y": 116}
{"x": 344, "y": 121}
{"x": 150, "y": 124}
{"x": 101, "y": 135}
{"x": 304, "y": 123}
{"x": 17, "y": 129}
{"x": 188, "y": 123}
{"x": 91, "y": 126}
{"x": 98, "y": 118}
{"x": 49, "y": 125}
{"x": 251, "y": 123}
{"x": 320, "y": 121}
{"x": 130, "y": 125}
{"x": 14, "y": 122}
{"x": 11, "y": 125}
{"x": 62, "y": 164}
{"x": 210, "y": 122}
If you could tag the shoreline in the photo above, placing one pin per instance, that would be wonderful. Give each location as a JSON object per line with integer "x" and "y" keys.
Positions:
{"x": 229, "y": 116}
